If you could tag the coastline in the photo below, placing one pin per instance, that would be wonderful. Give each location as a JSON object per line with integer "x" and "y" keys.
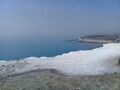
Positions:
{"x": 100, "y": 39}
{"x": 49, "y": 72}
{"x": 72, "y": 63}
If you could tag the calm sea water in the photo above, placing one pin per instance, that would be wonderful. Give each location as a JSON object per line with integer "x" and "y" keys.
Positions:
{"x": 12, "y": 50}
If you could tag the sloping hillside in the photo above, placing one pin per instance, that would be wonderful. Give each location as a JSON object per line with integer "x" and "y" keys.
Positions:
{"x": 49, "y": 80}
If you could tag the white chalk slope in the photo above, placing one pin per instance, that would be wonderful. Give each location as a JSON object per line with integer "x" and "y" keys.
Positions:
{"x": 99, "y": 61}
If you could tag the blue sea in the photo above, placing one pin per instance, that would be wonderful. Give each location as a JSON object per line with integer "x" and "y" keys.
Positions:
{"x": 18, "y": 49}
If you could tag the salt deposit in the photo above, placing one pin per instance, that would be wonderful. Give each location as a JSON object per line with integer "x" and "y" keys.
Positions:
{"x": 99, "y": 61}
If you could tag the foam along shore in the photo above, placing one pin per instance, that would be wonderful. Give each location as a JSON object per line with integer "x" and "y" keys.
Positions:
{"x": 99, "y": 61}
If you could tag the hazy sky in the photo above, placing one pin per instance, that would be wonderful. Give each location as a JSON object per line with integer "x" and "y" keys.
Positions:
{"x": 58, "y": 18}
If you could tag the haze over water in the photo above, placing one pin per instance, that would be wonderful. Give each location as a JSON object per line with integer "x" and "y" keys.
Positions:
{"x": 42, "y": 27}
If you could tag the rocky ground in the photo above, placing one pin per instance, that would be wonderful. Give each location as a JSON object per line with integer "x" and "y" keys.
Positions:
{"x": 53, "y": 80}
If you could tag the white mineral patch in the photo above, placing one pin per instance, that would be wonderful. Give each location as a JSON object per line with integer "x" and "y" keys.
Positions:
{"x": 99, "y": 61}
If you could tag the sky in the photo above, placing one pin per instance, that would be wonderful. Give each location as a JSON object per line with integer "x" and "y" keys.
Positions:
{"x": 31, "y": 19}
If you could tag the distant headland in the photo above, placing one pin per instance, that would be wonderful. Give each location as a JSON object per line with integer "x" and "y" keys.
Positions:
{"x": 100, "y": 38}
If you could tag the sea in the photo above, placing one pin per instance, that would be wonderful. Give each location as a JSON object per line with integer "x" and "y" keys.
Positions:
{"x": 19, "y": 49}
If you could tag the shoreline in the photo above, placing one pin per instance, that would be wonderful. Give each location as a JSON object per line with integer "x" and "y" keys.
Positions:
{"x": 100, "y": 39}
{"x": 51, "y": 73}
{"x": 72, "y": 63}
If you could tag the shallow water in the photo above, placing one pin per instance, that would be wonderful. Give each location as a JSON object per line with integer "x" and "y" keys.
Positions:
{"x": 17, "y": 49}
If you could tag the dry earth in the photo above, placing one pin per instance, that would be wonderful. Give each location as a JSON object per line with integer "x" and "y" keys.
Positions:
{"x": 53, "y": 80}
